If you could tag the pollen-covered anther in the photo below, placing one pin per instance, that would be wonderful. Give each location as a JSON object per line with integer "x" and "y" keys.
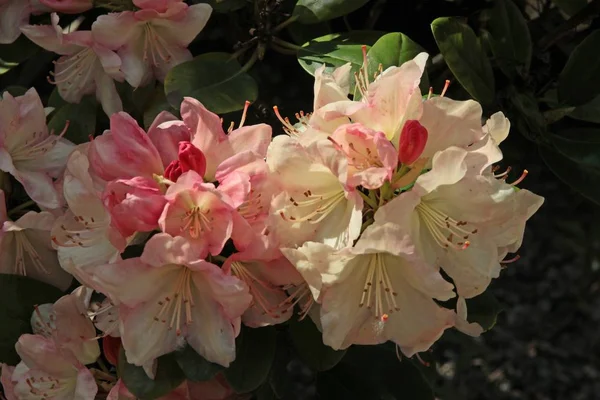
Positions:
{"x": 444, "y": 229}
{"x": 378, "y": 291}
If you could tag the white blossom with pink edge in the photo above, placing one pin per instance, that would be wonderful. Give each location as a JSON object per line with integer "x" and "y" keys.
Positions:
{"x": 28, "y": 151}
{"x": 152, "y": 40}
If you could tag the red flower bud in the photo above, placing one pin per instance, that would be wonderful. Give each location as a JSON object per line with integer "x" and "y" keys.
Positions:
{"x": 111, "y": 347}
{"x": 412, "y": 142}
{"x": 173, "y": 171}
{"x": 191, "y": 158}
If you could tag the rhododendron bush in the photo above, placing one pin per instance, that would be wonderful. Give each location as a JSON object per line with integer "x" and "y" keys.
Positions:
{"x": 167, "y": 232}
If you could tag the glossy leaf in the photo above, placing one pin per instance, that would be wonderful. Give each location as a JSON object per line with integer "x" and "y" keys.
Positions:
{"x": 168, "y": 377}
{"x": 579, "y": 81}
{"x": 582, "y": 146}
{"x": 510, "y": 38}
{"x": 81, "y": 118}
{"x": 195, "y": 367}
{"x": 394, "y": 49}
{"x": 484, "y": 310}
{"x": 314, "y": 11}
{"x": 589, "y": 112}
{"x": 373, "y": 372}
{"x": 303, "y": 33}
{"x": 18, "y": 296}
{"x": 583, "y": 179}
{"x": 465, "y": 58}
{"x": 255, "y": 350}
{"x": 215, "y": 79}
{"x": 308, "y": 342}
{"x": 336, "y": 50}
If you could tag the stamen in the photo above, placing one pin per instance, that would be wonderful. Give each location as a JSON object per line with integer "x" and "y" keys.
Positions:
{"x": 503, "y": 174}
{"x": 384, "y": 295}
{"x": 511, "y": 260}
{"x": 444, "y": 229}
{"x": 445, "y": 88}
{"x": 430, "y": 93}
{"x": 246, "y": 105}
{"x": 521, "y": 178}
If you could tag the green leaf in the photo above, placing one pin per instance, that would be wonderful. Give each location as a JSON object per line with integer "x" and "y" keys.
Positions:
{"x": 510, "y": 38}
{"x": 373, "y": 372}
{"x": 570, "y": 7}
{"x": 81, "y": 117}
{"x": 215, "y": 79}
{"x": 579, "y": 81}
{"x": 581, "y": 178}
{"x": 168, "y": 377}
{"x": 303, "y": 33}
{"x": 314, "y": 11}
{"x": 336, "y": 50}
{"x": 195, "y": 367}
{"x": 525, "y": 114}
{"x": 15, "y": 90}
{"x": 394, "y": 49}
{"x": 19, "y": 50}
{"x": 589, "y": 112}
{"x": 308, "y": 342}
{"x": 465, "y": 58}
{"x": 18, "y": 296}
{"x": 582, "y": 146}
{"x": 484, "y": 310}
{"x": 265, "y": 393}
{"x": 255, "y": 350}
{"x": 155, "y": 105}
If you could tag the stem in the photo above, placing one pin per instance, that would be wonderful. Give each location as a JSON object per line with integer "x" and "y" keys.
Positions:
{"x": 250, "y": 62}
{"x": 21, "y": 207}
{"x": 285, "y": 44}
{"x": 368, "y": 200}
{"x": 285, "y": 23}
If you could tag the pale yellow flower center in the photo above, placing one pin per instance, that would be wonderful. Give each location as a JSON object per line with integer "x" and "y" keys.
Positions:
{"x": 378, "y": 293}
{"x": 300, "y": 295}
{"x": 197, "y": 220}
{"x": 447, "y": 232}
{"x": 173, "y": 308}
{"x": 155, "y": 47}
{"x": 257, "y": 287}
{"x": 252, "y": 208}
{"x": 313, "y": 207}
{"x": 25, "y": 248}
{"x": 76, "y": 70}
{"x": 48, "y": 387}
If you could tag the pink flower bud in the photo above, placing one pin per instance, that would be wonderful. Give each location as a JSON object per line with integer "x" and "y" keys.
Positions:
{"x": 412, "y": 142}
{"x": 191, "y": 158}
{"x": 173, "y": 170}
{"x": 68, "y": 6}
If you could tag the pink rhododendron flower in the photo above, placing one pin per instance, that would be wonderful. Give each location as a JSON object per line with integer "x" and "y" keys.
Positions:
{"x": 317, "y": 203}
{"x": 124, "y": 151}
{"x": 207, "y": 135}
{"x": 47, "y": 372}
{"x": 152, "y": 40}
{"x": 83, "y": 236}
{"x": 189, "y": 157}
{"x": 69, "y": 6}
{"x": 166, "y": 132}
{"x": 377, "y": 291}
{"x": 371, "y": 157}
{"x": 171, "y": 297}
{"x": 85, "y": 67}
{"x": 14, "y": 14}
{"x": 25, "y": 248}
{"x": 199, "y": 212}
{"x": 134, "y": 204}
{"x": 460, "y": 221}
{"x": 67, "y": 323}
{"x": 27, "y": 151}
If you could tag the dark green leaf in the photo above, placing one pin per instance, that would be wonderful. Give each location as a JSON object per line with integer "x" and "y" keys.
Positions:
{"x": 373, "y": 372}
{"x": 195, "y": 367}
{"x": 81, "y": 117}
{"x": 336, "y": 50}
{"x": 308, "y": 342}
{"x": 157, "y": 103}
{"x": 484, "y": 310}
{"x": 19, "y": 50}
{"x": 55, "y": 100}
{"x": 582, "y": 146}
{"x": 570, "y": 7}
{"x": 465, "y": 58}
{"x": 215, "y": 79}
{"x": 15, "y": 90}
{"x": 255, "y": 350}
{"x": 394, "y": 49}
{"x": 579, "y": 81}
{"x": 303, "y": 33}
{"x": 510, "y": 38}
{"x": 18, "y": 296}
{"x": 313, "y": 11}
{"x": 525, "y": 114}
{"x": 589, "y": 112}
{"x": 168, "y": 377}
{"x": 265, "y": 393}
{"x": 583, "y": 179}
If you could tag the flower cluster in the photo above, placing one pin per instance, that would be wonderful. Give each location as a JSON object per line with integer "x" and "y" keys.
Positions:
{"x": 366, "y": 217}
